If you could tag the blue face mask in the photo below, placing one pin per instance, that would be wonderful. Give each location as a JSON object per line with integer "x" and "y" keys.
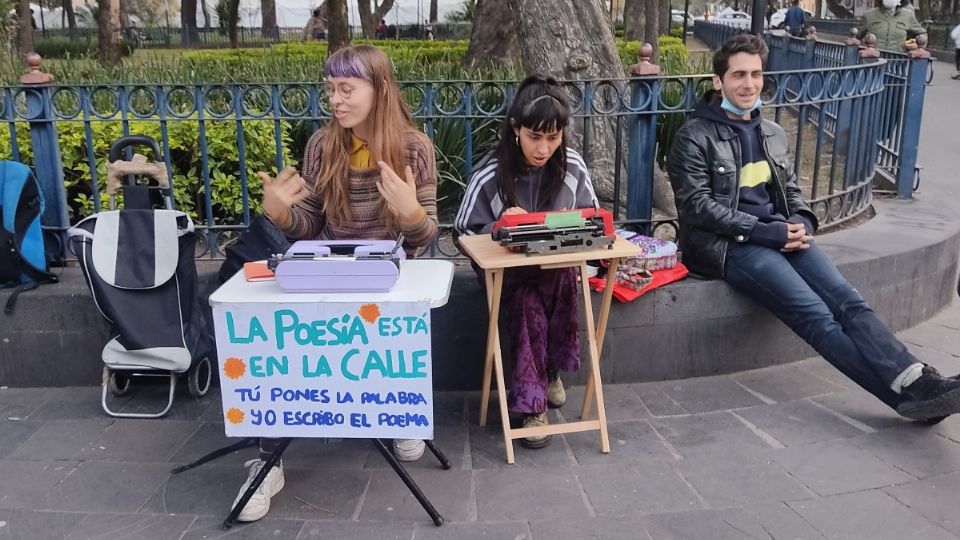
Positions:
{"x": 728, "y": 106}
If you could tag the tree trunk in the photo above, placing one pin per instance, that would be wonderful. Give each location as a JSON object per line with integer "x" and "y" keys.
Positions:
{"x": 433, "y": 11}
{"x": 109, "y": 31}
{"x": 233, "y": 19}
{"x": 573, "y": 39}
{"x": 338, "y": 31}
{"x": 634, "y": 20}
{"x": 837, "y": 8}
{"x": 371, "y": 15}
{"x": 188, "y": 22}
{"x": 268, "y": 13}
{"x": 923, "y": 10}
{"x": 651, "y": 25}
{"x": 24, "y": 28}
{"x": 663, "y": 19}
{"x": 493, "y": 35}
{"x": 69, "y": 13}
{"x": 205, "y": 11}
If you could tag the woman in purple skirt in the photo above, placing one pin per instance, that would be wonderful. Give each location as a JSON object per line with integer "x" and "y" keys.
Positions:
{"x": 532, "y": 170}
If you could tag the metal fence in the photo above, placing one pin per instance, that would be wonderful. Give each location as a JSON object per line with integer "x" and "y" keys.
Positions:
{"x": 215, "y": 137}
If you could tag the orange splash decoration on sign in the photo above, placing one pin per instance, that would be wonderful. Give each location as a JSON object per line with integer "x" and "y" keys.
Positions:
{"x": 235, "y": 415}
{"x": 234, "y": 367}
{"x": 369, "y": 312}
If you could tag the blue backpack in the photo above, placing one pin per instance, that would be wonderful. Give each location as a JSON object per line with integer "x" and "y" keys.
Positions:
{"x": 23, "y": 262}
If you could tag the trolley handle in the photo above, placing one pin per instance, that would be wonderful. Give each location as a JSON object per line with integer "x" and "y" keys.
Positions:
{"x": 127, "y": 141}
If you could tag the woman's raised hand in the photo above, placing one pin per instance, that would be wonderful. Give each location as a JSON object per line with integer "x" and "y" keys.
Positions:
{"x": 400, "y": 194}
{"x": 281, "y": 193}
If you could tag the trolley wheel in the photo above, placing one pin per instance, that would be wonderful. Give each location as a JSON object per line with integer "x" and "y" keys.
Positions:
{"x": 118, "y": 383}
{"x": 199, "y": 377}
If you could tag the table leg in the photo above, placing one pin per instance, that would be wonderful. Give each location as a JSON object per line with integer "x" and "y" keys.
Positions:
{"x": 492, "y": 341}
{"x": 255, "y": 483}
{"x": 594, "y": 380}
{"x": 601, "y": 329}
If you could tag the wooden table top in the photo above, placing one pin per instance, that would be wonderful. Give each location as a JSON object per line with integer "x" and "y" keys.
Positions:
{"x": 489, "y": 254}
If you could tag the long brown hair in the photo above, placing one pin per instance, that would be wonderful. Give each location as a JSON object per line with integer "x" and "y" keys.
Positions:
{"x": 389, "y": 121}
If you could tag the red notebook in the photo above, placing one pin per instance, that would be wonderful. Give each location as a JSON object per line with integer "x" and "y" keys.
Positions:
{"x": 257, "y": 271}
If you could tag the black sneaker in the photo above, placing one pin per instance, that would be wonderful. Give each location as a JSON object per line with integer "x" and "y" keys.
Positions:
{"x": 937, "y": 419}
{"x": 931, "y": 398}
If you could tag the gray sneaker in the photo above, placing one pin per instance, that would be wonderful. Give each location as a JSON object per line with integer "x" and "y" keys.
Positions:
{"x": 556, "y": 395}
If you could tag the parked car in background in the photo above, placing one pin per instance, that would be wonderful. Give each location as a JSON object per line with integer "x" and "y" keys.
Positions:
{"x": 731, "y": 17}
{"x": 676, "y": 18}
{"x": 776, "y": 20}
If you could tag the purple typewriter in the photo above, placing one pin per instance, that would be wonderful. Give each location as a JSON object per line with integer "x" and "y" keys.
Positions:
{"x": 339, "y": 265}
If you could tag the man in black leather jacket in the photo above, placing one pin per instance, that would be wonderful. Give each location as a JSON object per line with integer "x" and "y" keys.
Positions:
{"x": 743, "y": 219}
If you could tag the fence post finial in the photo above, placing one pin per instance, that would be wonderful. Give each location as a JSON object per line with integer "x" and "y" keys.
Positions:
{"x": 870, "y": 51}
{"x": 34, "y": 75}
{"x": 853, "y": 39}
{"x": 645, "y": 68}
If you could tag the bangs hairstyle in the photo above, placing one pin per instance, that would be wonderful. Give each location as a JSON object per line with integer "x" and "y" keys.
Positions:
{"x": 540, "y": 105}
{"x": 388, "y": 122}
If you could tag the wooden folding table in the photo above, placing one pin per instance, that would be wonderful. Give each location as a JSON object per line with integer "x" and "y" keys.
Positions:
{"x": 495, "y": 260}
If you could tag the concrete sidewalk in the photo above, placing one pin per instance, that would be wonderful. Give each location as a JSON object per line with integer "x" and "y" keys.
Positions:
{"x": 792, "y": 451}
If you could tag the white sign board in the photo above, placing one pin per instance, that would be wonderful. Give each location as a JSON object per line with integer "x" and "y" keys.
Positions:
{"x": 325, "y": 369}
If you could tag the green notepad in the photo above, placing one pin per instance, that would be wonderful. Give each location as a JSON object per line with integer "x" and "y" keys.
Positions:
{"x": 558, "y": 220}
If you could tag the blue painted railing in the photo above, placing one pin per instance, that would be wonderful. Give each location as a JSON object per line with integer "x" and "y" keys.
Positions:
{"x": 840, "y": 118}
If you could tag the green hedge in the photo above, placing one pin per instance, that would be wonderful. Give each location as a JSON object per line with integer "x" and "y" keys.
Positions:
{"x": 63, "y": 47}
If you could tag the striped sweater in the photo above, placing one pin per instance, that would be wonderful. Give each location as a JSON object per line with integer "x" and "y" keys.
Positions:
{"x": 307, "y": 219}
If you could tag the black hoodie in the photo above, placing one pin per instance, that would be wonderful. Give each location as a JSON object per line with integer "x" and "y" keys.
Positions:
{"x": 755, "y": 175}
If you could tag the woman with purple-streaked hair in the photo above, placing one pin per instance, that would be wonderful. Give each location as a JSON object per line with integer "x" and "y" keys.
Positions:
{"x": 350, "y": 190}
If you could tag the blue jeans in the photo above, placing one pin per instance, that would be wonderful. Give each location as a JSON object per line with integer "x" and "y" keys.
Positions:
{"x": 806, "y": 291}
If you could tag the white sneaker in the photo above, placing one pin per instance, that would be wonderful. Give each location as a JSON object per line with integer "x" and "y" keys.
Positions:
{"x": 259, "y": 503}
{"x": 408, "y": 449}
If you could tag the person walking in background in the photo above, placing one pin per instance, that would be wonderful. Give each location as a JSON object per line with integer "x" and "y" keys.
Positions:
{"x": 316, "y": 27}
{"x": 892, "y": 25}
{"x": 795, "y": 20}
{"x": 955, "y": 36}
{"x": 382, "y": 29}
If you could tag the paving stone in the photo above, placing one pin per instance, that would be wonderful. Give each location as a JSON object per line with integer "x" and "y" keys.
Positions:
{"x": 707, "y": 394}
{"x": 836, "y": 467}
{"x": 20, "y": 403}
{"x": 515, "y": 530}
{"x": 130, "y": 526}
{"x": 488, "y": 451}
{"x": 152, "y": 397}
{"x": 934, "y": 336}
{"x": 342, "y": 454}
{"x": 14, "y": 433}
{"x": 785, "y": 383}
{"x": 862, "y": 407}
{"x": 208, "y": 437}
{"x": 869, "y": 514}
{"x": 61, "y": 439}
{"x": 26, "y": 484}
{"x": 210, "y": 490}
{"x": 798, "y": 422}
{"x": 589, "y": 528}
{"x": 820, "y": 368}
{"x": 638, "y": 489}
{"x": 629, "y": 442}
{"x": 77, "y": 402}
{"x": 97, "y": 486}
{"x": 657, "y": 400}
{"x": 140, "y": 440}
{"x": 518, "y": 494}
{"x": 740, "y": 479}
{"x": 755, "y": 521}
{"x": 708, "y": 434}
{"x": 935, "y": 498}
{"x": 914, "y": 448}
{"x": 452, "y": 441}
{"x": 213, "y": 413}
{"x": 338, "y": 530}
{"x": 208, "y": 528}
{"x": 29, "y": 525}
{"x": 620, "y": 404}
{"x": 388, "y": 499}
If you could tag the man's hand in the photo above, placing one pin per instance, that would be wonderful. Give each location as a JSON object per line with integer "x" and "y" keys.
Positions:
{"x": 514, "y": 210}
{"x": 281, "y": 193}
{"x": 400, "y": 194}
{"x": 797, "y": 238}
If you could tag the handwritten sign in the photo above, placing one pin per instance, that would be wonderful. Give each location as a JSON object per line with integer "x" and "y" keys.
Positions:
{"x": 325, "y": 370}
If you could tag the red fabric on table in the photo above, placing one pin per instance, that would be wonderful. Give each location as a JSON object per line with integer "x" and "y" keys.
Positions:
{"x": 660, "y": 278}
